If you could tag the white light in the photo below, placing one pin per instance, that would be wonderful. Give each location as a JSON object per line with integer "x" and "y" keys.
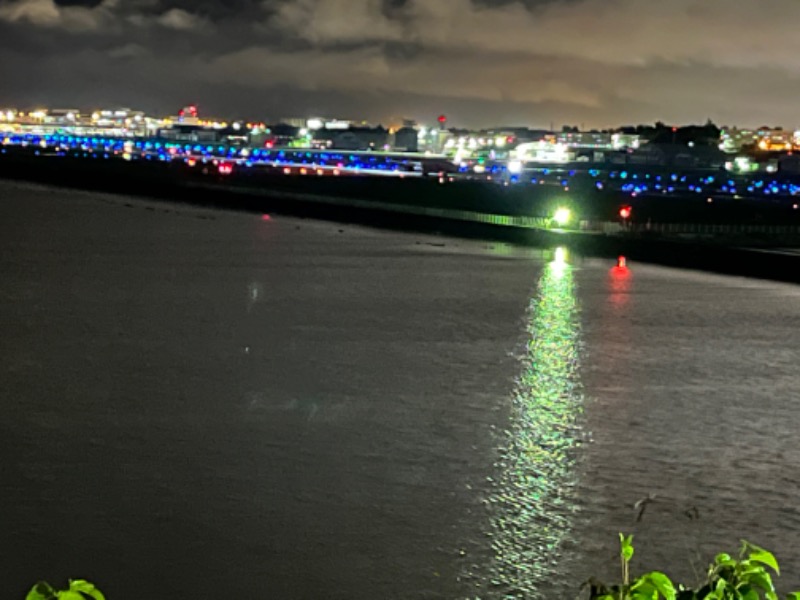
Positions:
{"x": 315, "y": 124}
{"x": 303, "y": 132}
{"x": 515, "y": 167}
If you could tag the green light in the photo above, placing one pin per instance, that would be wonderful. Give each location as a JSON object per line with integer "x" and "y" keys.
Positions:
{"x": 562, "y": 216}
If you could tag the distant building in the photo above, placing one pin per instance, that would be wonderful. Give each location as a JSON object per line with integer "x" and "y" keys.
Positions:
{"x": 407, "y": 139}
{"x": 191, "y": 133}
{"x": 733, "y": 139}
{"x": 354, "y": 138}
{"x": 678, "y": 156}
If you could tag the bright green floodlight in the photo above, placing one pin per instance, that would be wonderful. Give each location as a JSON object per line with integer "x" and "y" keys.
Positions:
{"x": 562, "y": 216}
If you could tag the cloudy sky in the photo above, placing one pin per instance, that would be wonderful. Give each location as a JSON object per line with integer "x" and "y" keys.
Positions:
{"x": 596, "y": 63}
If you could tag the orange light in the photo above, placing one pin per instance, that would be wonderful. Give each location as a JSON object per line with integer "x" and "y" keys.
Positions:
{"x": 303, "y": 171}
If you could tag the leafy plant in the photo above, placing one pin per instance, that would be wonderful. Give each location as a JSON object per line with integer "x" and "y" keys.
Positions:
{"x": 79, "y": 589}
{"x": 744, "y": 578}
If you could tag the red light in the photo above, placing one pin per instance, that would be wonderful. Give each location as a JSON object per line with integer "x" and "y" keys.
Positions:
{"x": 625, "y": 212}
{"x": 266, "y": 218}
{"x": 622, "y": 262}
{"x": 287, "y": 171}
{"x": 191, "y": 162}
{"x": 225, "y": 169}
{"x": 442, "y": 119}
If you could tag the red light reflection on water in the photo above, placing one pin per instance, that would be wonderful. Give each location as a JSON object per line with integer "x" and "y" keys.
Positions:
{"x": 619, "y": 283}
{"x": 266, "y": 218}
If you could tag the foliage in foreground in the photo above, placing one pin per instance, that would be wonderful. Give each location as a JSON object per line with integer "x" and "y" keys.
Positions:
{"x": 79, "y": 589}
{"x": 744, "y": 578}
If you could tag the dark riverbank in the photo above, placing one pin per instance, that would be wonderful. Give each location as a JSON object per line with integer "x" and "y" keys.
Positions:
{"x": 410, "y": 204}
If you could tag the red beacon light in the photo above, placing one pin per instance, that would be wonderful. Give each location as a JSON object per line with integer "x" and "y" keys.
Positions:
{"x": 622, "y": 262}
{"x": 625, "y": 212}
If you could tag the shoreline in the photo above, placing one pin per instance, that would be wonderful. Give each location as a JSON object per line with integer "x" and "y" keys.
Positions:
{"x": 161, "y": 180}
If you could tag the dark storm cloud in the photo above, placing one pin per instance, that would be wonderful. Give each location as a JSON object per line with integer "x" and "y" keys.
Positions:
{"x": 598, "y": 62}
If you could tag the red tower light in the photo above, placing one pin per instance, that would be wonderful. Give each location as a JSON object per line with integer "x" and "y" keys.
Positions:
{"x": 442, "y": 119}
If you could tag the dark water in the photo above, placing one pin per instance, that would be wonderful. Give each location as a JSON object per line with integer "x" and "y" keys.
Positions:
{"x": 198, "y": 404}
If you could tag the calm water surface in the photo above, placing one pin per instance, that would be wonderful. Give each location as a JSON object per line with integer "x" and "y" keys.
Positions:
{"x": 202, "y": 404}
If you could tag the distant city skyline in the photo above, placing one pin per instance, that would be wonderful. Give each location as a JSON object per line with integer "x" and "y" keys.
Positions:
{"x": 590, "y": 63}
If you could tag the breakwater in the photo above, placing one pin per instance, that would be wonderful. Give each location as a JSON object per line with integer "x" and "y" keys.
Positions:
{"x": 514, "y": 214}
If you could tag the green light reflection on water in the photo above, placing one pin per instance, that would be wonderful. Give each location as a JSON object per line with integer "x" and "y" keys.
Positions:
{"x": 531, "y": 500}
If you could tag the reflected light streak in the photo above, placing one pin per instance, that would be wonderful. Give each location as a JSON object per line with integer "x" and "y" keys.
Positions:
{"x": 532, "y": 499}
{"x": 619, "y": 284}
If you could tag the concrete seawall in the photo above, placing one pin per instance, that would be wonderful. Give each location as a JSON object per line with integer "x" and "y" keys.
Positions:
{"x": 444, "y": 214}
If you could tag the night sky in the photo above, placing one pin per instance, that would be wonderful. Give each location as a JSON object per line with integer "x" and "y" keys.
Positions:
{"x": 596, "y": 63}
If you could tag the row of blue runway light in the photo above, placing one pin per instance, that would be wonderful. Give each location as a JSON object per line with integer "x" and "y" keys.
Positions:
{"x": 224, "y": 159}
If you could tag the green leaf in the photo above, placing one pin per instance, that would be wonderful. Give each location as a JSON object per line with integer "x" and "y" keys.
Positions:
{"x": 764, "y": 557}
{"x": 626, "y": 547}
{"x": 793, "y": 596}
{"x": 89, "y": 589}
{"x": 749, "y": 593}
{"x": 662, "y": 584}
{"x": 720, "y": 588}
{"x": 762, "y": 579}
{"x": 41, "y": 591}
{"x": 643, "y": 588}
{"x": 722, "y": 559}
{"x": 69, "y": 595}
